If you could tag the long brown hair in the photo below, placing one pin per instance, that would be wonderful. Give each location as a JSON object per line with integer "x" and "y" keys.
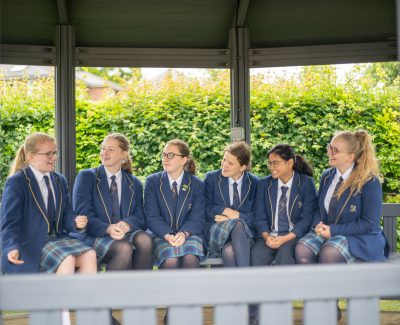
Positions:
{"x": 28, "y": 147}
{"x": 366, "y": 165}
{"x": 184, "y": 150}
{"x": 123, "y": 144}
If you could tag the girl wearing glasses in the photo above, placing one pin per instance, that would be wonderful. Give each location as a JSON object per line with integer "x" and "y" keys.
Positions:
{"x": 285, "y": 203}
{"x": 112, "y": 198}
{"x": 346, "y": 228}
{"x": 36, "y": 215}
{"x": 174, "y": 208}
{"x": 230, "y": 193}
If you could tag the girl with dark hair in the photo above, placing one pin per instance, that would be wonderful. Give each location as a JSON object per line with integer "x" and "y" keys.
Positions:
{"x": 284, "y": 207}
{"x": 230, "y": 193}
{"x": 174, "y": 208}
{"x": 112, "y": 198}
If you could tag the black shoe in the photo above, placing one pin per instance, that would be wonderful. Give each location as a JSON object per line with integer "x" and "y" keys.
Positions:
{"x": 165, "y": 321}
{"x": 114, "y": 321}
{"x": 253, "y": 320}
{"x": 339, "y": 314}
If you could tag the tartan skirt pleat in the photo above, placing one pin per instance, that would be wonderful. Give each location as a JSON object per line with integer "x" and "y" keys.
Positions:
{"x": 219, "y": 235}
{"x": 316, "y": 243}
{"x": 103, "y": 244}
{"x": 163, "y": 250}
{"x": 57, "y": 249}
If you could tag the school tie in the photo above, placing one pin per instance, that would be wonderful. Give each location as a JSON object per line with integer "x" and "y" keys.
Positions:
{"x": 174, "y": 197}
{"x": 333, "y": 203}
{"x": 283, "y": 223}
{"x": 116, "y": 212}
{"x": 236, "y": 197}
{"x": 51, "y": 210}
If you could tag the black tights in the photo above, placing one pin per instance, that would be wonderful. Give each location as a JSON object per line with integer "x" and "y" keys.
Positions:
{"x": 236, "y": 252}
{"x": 122, "y": 256}
{"x": 327, "y": 255}
{"x": 188, "y": 261}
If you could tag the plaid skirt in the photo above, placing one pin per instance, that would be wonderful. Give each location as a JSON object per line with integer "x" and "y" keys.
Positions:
{"x": 219, "y": 235}
{"x": 56, "y": 250}
{"x": 316, "y": 242}
{"x": 103, "y": 244}
{"x": 163, "y": 250}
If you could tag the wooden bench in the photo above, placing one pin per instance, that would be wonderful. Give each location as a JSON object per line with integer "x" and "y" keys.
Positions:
{"x": 390, "y": 213}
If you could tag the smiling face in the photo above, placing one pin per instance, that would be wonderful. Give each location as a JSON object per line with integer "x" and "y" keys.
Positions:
{"x": 231, "y": 167}
{"x": 111, "y": 155}
{"x": 280, "y": 168}
{"x": 174, "y": 166}
{"x": 339, "y": 156}
{"x": 44, "y": 157}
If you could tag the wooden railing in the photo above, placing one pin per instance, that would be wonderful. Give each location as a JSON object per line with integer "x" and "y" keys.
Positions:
{"x": 185, "y": 292}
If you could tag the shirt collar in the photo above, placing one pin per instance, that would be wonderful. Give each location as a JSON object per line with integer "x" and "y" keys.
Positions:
{"x": 345, "y": 175}
{"x": 288, "y": 184}
{"x": 178, "y": 180}
{"x": 39, "y": 175}
{"x": 109, "y": 174}
{"x": 238, "y": 181}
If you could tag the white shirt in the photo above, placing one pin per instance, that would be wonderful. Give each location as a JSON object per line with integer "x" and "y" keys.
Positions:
{"x": 335, "y": 180}
{"x": 42, "y": 184}
{"x": 178, "y": 181}
{"x": 118, "y": 180}
{"x": 239, "y": 183}
{"x": 289, "y": 186}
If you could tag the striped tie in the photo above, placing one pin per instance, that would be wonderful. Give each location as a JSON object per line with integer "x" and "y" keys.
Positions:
{"x": 283, "y": 223}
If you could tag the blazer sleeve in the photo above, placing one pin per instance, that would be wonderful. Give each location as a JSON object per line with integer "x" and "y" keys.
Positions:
{"x": 11, "y": 216}
{"x": 154, "y": 218}
{"x": 136, "y": 219}
{"x": 212, "y": 209}
{"x": 195, "y": 219}
{"x": 69, "y": 215}
{"x": 309, "y": 204}
{"x": 262, "y": 222}
{"x": 83, "y": 203}
{"x": 371, "y": 211}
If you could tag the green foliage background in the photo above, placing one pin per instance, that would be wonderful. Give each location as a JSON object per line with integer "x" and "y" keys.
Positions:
{"x": 303, "y": 111}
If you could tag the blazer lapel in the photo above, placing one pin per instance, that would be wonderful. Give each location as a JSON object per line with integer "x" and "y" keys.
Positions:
{"x": 246, "y": 187}
{"x": 326, "y": 182}
{"x": 166, "y": 194}
{"x": 223, "y": 187}
{"x": 342, "y": 203}
{"x": 104, "y": 191}
{"x": 272, "y": 192}
{"x": 36, "y": 194}
{"x": 183, "y": 195}
{"x": 127, "y": 194}
{"x": 294, "y": 193}
{"x": 58, "y": 196}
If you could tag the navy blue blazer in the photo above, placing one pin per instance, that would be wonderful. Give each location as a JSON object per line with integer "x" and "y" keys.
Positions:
{"x": 358, "y": 217}
{"x": 24, "y": 224}
{"x": 217, "y": 196}
{"x": 91, "y": 197}
{"x": 190, "y": 206}
{"x": 302, "y": 204}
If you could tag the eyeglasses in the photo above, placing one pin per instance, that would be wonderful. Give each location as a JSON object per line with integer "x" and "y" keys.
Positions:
{"x": 332, "y": 149}
{"x": 274, "y": 163}
{"x": 49, "y": 154}
{"x": 170, "y": 155}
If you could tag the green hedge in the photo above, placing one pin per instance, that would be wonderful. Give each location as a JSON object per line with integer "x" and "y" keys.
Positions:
{"x": 304, "y": 111}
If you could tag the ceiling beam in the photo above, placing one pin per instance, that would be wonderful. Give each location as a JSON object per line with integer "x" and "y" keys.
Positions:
{"x": 242, "y": 12}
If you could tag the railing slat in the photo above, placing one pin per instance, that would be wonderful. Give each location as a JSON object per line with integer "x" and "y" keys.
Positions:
{"x": 46, "y": 317}
{"x": 363, "y": 311}
{"x": 93, "y": 317}
{"x": 139, "y": 316}
{"x": 276, "y": 313}
{"x": 320, "y": 312}
{"x": 182, "y": 314}
{"x": 231, "y": 314}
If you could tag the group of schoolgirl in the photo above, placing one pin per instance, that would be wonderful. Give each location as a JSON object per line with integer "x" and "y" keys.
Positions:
{"x": 278, "y": 219}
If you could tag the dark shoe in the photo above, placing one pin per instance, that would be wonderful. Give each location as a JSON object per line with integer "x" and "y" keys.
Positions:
{"x": 165, "y": 322}
{"x": 339, "y": 314}
{"x": 253, "y": 320}
{"x": 114, "y": 321}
